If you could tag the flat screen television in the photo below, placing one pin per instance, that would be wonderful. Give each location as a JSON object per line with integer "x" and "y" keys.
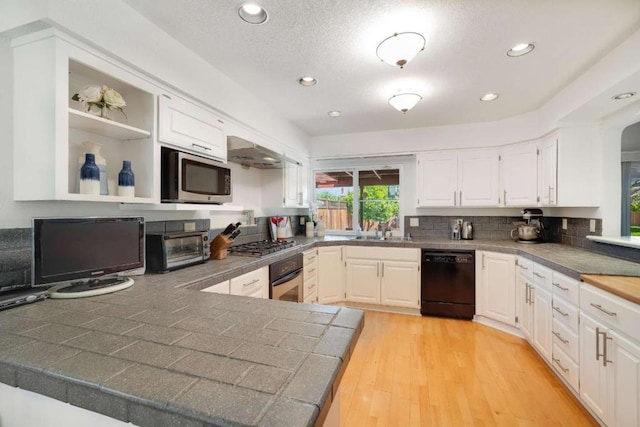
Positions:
{"x": 68, "y": 250}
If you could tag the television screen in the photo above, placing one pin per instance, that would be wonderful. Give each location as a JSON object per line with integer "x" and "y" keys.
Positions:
{"x": 76, "y": 249}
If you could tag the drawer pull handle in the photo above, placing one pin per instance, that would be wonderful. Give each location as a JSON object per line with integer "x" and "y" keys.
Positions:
{"x": 538, "y": 275}
{"x": 523, "y": 267}
{"x": 312, "y": 270}
{"x": 560, "y": 311}
{"x": 557, "y": 362}
{"x": 202, "y": 147}
{"x": 251, "y": 282}
{"x": 599, "y": 307}
{"x": 557, "y": 285}
{"x": 312, "y": 258}
{"x": 557, "y": 334}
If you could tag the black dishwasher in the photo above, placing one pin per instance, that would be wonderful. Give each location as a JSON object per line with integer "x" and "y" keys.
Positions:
{"x": 448, "y": 283}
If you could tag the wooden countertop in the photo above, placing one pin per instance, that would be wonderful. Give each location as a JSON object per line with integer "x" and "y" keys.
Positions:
{"x": 627, "y": 287}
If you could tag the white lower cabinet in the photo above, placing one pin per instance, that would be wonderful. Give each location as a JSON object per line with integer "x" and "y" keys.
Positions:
{"x": 496, "y": 286}
{"x": 542, "y": 322}
{"x": 363, "y": 281}
{"x": 388, "y": 276}
{"x": 331, "y": 267}
{"x": 400, "y": 284}
{"x": 610, "y": 357}
{"x": 253, "y": 284}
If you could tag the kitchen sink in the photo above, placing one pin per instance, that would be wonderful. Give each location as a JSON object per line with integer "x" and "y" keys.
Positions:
{"x": 389, "y": 239}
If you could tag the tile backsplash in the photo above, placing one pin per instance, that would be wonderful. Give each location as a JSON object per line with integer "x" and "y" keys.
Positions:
{"x": 15, "y": 243}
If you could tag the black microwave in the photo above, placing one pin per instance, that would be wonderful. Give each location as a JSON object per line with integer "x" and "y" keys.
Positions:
{"x": 186, "y": 178}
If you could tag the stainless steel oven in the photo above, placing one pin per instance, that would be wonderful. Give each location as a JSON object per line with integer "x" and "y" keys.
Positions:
{"x": 285, "y": 278}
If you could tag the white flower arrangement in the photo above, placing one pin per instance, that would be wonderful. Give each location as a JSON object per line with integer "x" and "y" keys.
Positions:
{"x": 101, "y": 98}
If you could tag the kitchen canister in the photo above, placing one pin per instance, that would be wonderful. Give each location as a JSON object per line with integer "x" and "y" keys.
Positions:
{"x": 95, "y": 148}
{"x": 90, "y": 176}
{"x": 309, "y": 229}
{"x": 126, "y": 180}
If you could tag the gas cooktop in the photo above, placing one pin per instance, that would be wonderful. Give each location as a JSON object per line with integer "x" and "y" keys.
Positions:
{"x": 260, "y": 248}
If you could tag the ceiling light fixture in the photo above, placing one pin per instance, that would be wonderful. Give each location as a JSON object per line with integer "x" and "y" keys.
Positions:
{"x": 307, "y": 81}
{"x": 404, "y": 101}
{"x": 252, "y": 13}
{"x": 334, "y": 113}
{"x": 520, "y": 49}
{"x": 400, "y": 48}
{"x": 489, "y": 97}
{"x": 624, "y": 95}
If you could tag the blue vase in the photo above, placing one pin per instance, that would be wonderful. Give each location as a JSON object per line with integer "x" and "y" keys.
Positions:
{"x": 126, "y": 180}
{"x": 90, "y": 176}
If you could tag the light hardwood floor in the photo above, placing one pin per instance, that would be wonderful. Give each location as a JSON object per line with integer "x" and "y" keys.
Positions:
{"x": 428, "y": 371}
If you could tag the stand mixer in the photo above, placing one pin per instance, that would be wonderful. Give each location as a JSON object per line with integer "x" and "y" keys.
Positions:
{"x": 532, "y": 229}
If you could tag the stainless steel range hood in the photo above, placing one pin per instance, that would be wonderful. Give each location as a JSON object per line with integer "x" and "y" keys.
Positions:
{"x": 249, "y": 154}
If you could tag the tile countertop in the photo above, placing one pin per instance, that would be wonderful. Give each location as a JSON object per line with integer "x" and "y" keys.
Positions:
{"x": 157, "y": 355}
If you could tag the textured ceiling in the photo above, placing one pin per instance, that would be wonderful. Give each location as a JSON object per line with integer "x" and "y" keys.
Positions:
{"x": 335, "y": 41}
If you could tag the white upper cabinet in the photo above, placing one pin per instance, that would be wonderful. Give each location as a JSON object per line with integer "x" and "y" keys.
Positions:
{"x": 295, "y": 189}
{"x": 191, "y": 127}
{"x": 548, "y": 171}
{"x": 519, "y": 175}
{"x": 457, "y": 178}
{"x": 437, "y": 179}
{"x": 50, "y": 128}
{"x": 569, "y": 171}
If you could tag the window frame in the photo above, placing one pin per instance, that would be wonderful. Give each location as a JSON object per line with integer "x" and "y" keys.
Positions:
{"x": 356, "y": 190}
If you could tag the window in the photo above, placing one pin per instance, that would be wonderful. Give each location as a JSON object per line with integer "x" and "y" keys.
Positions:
{"x": 368, "y": 198}
{"x": 631, "y": 199}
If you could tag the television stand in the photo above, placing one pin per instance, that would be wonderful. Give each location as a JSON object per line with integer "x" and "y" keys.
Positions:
{"x": 91, "y": 287}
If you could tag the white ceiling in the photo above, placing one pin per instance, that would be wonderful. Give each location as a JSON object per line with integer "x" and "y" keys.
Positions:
{"x": 335, "y": 41}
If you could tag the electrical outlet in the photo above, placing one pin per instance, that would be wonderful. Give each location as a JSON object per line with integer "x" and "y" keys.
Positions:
{"x": 189, "y": 226}
{"x": 564, "y": 223}
{"x": 592, "y": 226}
{"x": 302, "y": 220}
{"x": 414, "y": 222}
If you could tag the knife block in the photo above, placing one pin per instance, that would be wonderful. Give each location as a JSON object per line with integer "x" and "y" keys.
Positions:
{"x": 219, "y": 247}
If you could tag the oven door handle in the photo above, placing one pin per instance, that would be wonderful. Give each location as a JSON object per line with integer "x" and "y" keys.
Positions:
{"x": 287, "y": 278}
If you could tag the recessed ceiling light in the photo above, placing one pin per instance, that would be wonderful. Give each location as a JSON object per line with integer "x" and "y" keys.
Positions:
{"x": 307, "y": 81}
{"x": 521, "y": 49}
{"x": 489, "y": 97}
{"x": 252, "y": 13}
{"x": 624, "y": 95}
{"x": 334, "y": 113}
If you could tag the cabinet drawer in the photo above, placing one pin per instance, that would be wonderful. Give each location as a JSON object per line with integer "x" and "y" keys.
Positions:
{"x": 566, "y": 339}
{"x": 622, "y": 315}
{"x": 565, "y": 313}
{"x": 564, "y": 366}
{"x": 384, "y": 253}
{"x": 525, "y": 268}
{"x": 309, "y": 288}
{"x": 310, "y": 271}
{"x": 542, "y": 276}
{"x": 250, "y": 284}
{"x": 310, "y": 257}
{"x": 566, "y": 287}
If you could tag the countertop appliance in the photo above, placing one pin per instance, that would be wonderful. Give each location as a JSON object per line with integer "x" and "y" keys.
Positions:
{"x": 258, "y": 249}
{"x": 186, "y": 178}
{"x": 285, "y": 279}
{"x": 170, "y": 251}
{"x": 466, "y": 233}
{"x": 448, "y": 283}
{"x": 531, "y": 230}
